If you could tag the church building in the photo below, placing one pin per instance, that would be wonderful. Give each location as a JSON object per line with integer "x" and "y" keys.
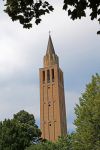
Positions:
{"x": 52, "y": 98}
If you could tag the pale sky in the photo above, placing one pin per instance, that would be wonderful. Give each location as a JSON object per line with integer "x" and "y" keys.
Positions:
{"x": 21, "y": 55}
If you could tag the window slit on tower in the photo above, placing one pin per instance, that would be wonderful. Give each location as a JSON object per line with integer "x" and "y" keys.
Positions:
{"x": 48, "y": 76}
{"x": 52, "y": 75}
{"x": 43, "y": 76}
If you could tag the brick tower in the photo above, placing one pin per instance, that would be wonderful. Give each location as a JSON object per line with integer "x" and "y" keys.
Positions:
{"x": 52, "y": 99}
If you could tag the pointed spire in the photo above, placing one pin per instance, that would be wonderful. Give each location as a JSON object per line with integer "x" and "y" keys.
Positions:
{"x": 50, "y": 48}
{"x": 50, "y": 58}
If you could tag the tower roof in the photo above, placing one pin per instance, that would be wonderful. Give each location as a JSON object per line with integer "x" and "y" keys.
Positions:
{"x": 50, "y": 48}
{"x": 50, "y": 58}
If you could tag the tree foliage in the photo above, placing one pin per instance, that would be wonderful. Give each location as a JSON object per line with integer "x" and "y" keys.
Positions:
{"x": 87, "y": 136}
{"x": 47, "y": 145}
{"x": 19, "y": 132}
{"x": 26, "y": 10}
{"x": 77, "y": 9}
{"x": 63, "y": 143}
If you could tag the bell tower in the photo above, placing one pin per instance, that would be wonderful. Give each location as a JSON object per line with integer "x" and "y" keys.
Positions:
{"x": 52, "y": 99}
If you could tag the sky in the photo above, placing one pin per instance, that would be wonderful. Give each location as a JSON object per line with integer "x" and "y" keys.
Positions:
{"x": 21, "y": 55}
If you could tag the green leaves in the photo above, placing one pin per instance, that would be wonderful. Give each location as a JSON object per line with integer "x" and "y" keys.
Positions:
{"x": 26, "y": 10}
{"x": 63, "y": 143}
{"x": 87, "y": 120}
{"x": 43, "y": 146}
{"x": 19, "y": 132}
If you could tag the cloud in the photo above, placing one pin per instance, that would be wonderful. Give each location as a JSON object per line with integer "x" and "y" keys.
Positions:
{"x": 14, "y": 98}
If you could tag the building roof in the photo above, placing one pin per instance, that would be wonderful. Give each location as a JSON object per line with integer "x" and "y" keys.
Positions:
{"x": 50, "y": 47}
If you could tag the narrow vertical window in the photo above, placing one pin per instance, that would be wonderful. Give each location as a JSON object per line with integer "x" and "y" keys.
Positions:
{"x": 48, "y": 76}
{"x": 52, "y": 75}
{"x": 43, "y": 76}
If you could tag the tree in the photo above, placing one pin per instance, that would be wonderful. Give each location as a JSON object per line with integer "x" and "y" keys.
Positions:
{"x": 47, "y": 145}
{"x": 19, "y": 132}
{"x": 63, "y": 143}
{"x": 87, "y": 122}
{"x": 26, "y": 10}
{"x": 77, "y": 9}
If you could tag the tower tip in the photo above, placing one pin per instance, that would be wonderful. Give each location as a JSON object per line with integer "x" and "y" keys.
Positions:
{"x": 49, "y": 33}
